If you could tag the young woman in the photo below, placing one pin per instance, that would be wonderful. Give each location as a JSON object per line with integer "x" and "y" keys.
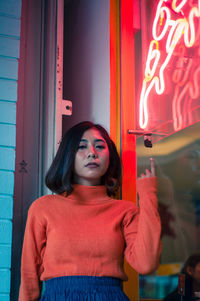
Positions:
{"x": 76, "y": 239}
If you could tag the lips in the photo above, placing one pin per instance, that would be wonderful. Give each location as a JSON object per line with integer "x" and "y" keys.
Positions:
{"x": 92, "y": 164}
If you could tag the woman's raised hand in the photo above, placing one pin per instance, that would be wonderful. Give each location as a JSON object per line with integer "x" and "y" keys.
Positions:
{"x": 149, "y": 173}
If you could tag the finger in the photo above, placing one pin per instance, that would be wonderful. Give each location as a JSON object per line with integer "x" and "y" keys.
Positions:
{"x": 148, "y": 173}
{"x": 142, "y": 176}
{"x": 153, "y": 167}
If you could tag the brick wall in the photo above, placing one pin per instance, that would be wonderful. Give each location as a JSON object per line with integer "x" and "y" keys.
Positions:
{"x": 10, "y": 12}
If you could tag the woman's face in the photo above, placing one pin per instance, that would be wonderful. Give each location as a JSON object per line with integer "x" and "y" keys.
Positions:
{"x": 91, "y": 159}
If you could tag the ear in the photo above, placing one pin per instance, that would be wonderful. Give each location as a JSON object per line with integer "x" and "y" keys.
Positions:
{"x": 189, "y": 270}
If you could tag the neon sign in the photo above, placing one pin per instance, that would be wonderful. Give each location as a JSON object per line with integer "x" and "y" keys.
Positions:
{"x": 177, "y": 26}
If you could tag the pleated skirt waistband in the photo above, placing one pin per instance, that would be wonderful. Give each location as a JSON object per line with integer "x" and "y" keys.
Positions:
{"x": 83, "y": 288}
{"x": 81, "y": 282}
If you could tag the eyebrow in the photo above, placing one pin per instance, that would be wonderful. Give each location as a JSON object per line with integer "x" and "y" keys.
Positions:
{"x": 96, "y": 140}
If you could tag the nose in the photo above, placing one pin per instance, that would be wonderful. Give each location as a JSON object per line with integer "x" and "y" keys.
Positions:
{"x": 92, "y": 153}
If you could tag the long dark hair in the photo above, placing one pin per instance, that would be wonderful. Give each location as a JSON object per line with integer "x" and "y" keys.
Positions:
{"x": 59, "y": 177}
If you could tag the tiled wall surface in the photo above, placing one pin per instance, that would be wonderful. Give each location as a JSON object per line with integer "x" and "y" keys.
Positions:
{"x": 10, "y": 12}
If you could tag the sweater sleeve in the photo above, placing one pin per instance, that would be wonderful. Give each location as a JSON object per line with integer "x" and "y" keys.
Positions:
{"x": 142, "y": 230}
{"x": 31, "y": 261}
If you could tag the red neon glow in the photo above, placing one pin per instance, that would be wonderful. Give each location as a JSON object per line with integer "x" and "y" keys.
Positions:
{"x": 186, "y": 89}
{"x": 177, "y": 8}
{"x": 175, "y": 23}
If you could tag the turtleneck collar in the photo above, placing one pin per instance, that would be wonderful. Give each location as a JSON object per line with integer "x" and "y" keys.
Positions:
{"x": 88, "y": 194}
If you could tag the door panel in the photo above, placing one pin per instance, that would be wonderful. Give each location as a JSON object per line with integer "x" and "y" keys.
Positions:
{"x": 35, "y": 116}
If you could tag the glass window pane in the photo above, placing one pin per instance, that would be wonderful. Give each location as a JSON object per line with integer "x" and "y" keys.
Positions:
{"x": 167, "y": 72}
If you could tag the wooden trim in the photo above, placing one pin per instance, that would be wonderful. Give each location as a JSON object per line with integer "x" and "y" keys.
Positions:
{"x": 115, "y": 72}
{"x": 122, "y": 107}
{"x": 127, "y": 100}
{"x": 131, "y": 287}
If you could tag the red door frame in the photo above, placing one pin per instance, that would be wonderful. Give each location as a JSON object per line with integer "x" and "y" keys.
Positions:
{"x": 122, "y": 91}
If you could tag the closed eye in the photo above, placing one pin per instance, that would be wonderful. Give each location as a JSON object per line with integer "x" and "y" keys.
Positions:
{"x": 100, "y": 146}
{"x": 82, "y": 146}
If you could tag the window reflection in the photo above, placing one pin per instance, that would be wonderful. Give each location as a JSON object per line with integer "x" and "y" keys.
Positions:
{"x": 178, "y": 172}
{"x": 168, "y": 102}
{"x": 178, "y": 194}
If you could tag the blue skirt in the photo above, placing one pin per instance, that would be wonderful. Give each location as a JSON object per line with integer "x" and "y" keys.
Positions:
{"x": 83, "y": 288}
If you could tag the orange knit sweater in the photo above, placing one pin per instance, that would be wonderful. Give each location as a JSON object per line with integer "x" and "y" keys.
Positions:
{"x": 89, "y": 233}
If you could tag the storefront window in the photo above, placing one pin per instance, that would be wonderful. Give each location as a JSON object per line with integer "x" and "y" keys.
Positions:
{"x": 168, "y": 109}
